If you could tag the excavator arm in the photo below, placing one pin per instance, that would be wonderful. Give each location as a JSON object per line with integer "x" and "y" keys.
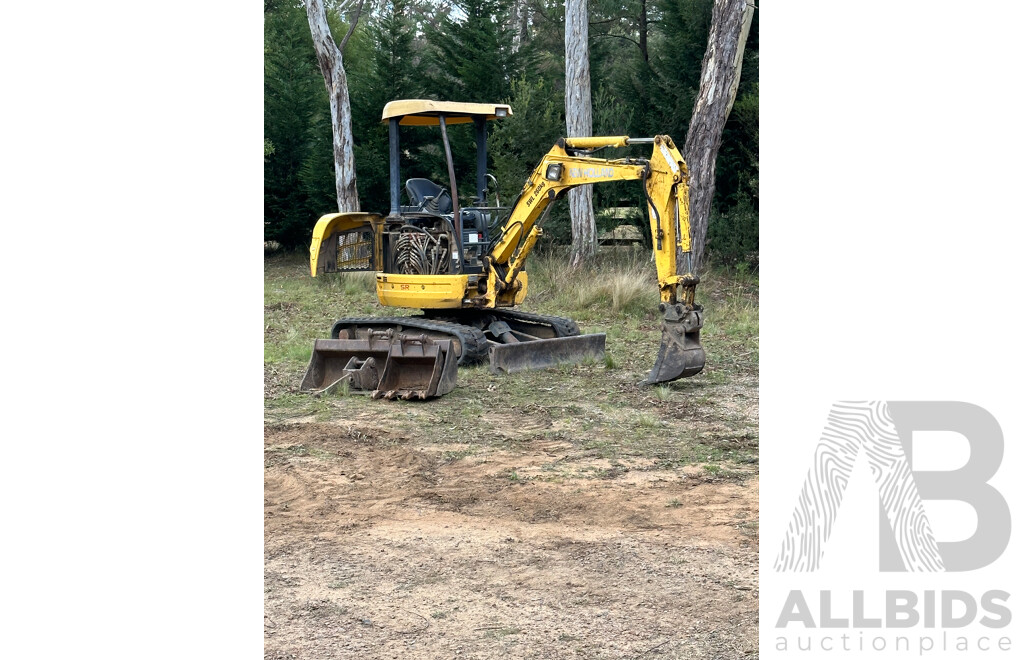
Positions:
{"x": 664, "y": 177}
{"x": 566, "y": 166}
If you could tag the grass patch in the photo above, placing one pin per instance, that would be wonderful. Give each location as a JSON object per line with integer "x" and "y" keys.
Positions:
{"x": 646, "y": 421}
{"x": 347, "y": 284}
{"x": 588, "y": 410}
{"x": 457, "y": 454}
{"x": 293, "y": 347}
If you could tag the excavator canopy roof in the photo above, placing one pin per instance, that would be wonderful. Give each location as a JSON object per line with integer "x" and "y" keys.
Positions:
{"x": 421, "y": 112}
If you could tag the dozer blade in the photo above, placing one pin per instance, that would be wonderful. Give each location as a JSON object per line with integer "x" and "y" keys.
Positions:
{"x": 334, "y": 361}
{"x": 680, "y": 354}
{"x": 418, "y": 367}
{"x": 541, "y": 353}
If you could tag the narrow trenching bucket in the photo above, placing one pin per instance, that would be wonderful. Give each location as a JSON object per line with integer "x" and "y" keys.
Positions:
{"x": 542, "y": 353}
{"x": 418, "y": 367}
{"x": 680, "y": 354}
{"x": 358, "y": 361}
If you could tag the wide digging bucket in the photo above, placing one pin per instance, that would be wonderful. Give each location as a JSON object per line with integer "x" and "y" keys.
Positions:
{"x": 418, "y": 367}
{"x": 680, "y": 354}
{"x": 542, "y": 353}
{"x": 356, "y": 361}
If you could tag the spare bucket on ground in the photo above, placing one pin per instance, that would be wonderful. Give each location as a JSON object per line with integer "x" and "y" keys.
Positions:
{"x": 389, "y": 365}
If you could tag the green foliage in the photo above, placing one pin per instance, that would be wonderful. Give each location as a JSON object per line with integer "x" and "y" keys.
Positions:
{"x": 471, "y": 55}
{"x": 397, "y": 70}
{"x": 733, "y": 235}
{"x": 683, "y": 37}
{"x": 468, "y": 57}
{"x": 295, "y": 104}
{"x": 733, "y": 226}
{"x": 394, "y": 70}
{"x": 737, "y": 167}
{"x": 614, "y": 116}
{"x": 480, "y": 51}
{"x": 517, "y": 143}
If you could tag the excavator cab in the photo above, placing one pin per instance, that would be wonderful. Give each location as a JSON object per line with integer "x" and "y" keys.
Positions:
{"x": 434, "y": 233}
{"x": 458, "y": 234}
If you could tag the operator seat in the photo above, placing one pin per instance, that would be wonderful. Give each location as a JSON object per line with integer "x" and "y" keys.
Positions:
{"x": 418, "y": 191}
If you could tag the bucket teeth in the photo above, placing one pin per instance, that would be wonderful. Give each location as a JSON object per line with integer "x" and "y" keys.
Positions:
{"x": 418, "y": 367}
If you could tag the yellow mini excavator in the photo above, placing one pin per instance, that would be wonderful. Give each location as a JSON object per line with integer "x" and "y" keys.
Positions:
{"x": 464, "y": 266}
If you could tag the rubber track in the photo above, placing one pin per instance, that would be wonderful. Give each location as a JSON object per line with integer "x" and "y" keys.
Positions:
{"x": 563, "y": 327}
{"x": 473, "y": 341}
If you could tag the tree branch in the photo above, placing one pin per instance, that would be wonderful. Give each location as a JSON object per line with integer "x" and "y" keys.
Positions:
{"x": 537, "y": 7}
{"x": 352, "y": 27}
{"x": 618, "y": 36}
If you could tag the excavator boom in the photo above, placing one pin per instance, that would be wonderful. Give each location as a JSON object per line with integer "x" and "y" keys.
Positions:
{"x": 569, "y": 164}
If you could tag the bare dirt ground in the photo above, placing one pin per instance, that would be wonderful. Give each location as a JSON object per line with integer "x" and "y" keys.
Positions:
{"x": 566, "y": 512}
{"x": 380, "y": 546}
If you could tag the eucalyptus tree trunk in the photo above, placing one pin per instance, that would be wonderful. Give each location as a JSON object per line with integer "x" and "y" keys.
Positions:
{"x": 579, "y": 123}
{"x": 643, "y": 31}
{"x": 719, "y": 79}
{"x": 328, "y": 54}
{"x": 520, "y": 24}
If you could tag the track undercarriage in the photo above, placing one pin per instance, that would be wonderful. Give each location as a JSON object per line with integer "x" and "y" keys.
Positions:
{"x": 416, "y": 357}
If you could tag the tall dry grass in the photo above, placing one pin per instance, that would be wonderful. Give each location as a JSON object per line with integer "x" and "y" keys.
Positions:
{"x": 348, "y": 283}
{"x": 615, "y": 283}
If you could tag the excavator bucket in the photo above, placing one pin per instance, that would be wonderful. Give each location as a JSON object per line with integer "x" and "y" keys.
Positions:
{"x": 680, "y": 354}
{"x": 541, "y": 353}
{"x": 418, "y": 367}
{"x": 357, "y": 361}
{"x": 389, "y": 365}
